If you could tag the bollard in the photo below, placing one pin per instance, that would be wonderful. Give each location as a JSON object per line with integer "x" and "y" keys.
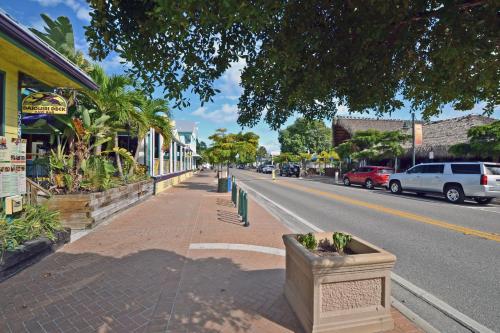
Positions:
{"x": 234, "y": 193}
{"x": 273, "y": 174}
{"x": 245, "y": 209}
{"x": 239, "y": 201}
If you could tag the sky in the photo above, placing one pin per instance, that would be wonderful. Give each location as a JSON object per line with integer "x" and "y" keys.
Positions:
{"x": 222, "y": 112}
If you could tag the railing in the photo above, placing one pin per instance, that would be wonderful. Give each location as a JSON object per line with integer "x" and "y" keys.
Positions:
{"x": 239, "y": 197}
{"x": 34, "y": 191}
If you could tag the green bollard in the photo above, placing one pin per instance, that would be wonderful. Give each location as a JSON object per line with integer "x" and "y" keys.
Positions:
{"x": 245, "y": 210}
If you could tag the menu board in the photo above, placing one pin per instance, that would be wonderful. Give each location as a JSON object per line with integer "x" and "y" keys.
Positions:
{"x": 12, "y": 166}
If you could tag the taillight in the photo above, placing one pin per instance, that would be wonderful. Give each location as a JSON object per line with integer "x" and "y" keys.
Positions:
{"x": 484, "y": 180}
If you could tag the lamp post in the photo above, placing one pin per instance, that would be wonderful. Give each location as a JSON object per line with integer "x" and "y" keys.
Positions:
{"x": 413, "y": 137}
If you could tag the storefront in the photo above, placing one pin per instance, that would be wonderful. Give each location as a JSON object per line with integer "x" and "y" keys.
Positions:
{"x": 28, "y": 65}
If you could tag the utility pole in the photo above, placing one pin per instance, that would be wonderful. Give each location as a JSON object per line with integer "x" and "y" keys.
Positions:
{"x": 413, "y": 137}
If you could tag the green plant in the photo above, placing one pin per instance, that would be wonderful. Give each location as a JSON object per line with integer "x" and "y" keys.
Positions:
{"x": 34, "y": 222}
{"x": 308, "y": 241}
{"x": 340, "y": 241}
{"x": 97, "y": 173}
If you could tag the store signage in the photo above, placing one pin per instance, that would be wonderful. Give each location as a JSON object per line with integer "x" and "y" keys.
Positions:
{"x": 45, "y": 102}
{"x": 12, "y": 166}
{"x": 418, "y": 135}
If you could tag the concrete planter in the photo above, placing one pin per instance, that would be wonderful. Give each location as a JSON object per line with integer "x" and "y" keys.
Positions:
{"x": 80, "y": 211}
{"x": 30, "y": 252}
{"x": 340, "y": 294}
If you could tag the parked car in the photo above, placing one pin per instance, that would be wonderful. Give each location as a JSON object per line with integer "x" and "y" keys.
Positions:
{"x": 241, "y": 166}
{"x": 457, "y": 181}
{"x": 268, "y": 168}
{"x": 369, "y": 176}
{"x": 259, "y": 168}
{"x": 290, "y": 169}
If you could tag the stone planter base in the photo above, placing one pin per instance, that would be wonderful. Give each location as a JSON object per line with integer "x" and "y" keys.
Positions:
{"x": 163, "y": 183}
{"x": 29, "y": 253}
{"x": 343, "y": 294}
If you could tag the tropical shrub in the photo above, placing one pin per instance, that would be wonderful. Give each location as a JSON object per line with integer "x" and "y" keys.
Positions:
{"x": 308, "y": 241}
{"x": 34, "y": 222}
{"x": 97, "y": 173}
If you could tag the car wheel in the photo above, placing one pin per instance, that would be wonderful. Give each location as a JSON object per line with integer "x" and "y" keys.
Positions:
{"x": 454, "y": 194}
{"x": 395, "y": 187}
{"x": 347, "y": 181}
{"x": 483, "y": 201}
{"x": 369, "y": 184}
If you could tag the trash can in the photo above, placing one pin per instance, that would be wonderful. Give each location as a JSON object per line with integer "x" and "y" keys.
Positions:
{"x": 229, "y": 184}
{"x": 222, "y": 185}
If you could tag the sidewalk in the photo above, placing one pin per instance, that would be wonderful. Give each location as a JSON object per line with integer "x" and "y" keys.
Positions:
{"x": 149, "y": 270}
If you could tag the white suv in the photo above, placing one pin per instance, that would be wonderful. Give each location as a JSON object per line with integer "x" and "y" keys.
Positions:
{"x": 456, "y": 180}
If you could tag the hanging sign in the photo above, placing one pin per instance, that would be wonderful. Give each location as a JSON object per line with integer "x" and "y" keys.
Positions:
{"x": 45, "y": 102}
{"x": 418, "y": 135}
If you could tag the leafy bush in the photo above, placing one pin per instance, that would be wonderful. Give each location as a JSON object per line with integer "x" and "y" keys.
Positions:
{"x": 34, "y": 222}
{"x": 97, "y": 173}
{"x": 308, "y": 241}
{"x": 340, "y": 241}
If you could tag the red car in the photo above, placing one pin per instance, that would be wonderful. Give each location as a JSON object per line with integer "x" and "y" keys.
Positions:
{"x": 369, "y": 176}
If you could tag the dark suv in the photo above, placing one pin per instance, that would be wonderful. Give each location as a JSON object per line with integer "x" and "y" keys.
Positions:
{"x": 289, "y": 169}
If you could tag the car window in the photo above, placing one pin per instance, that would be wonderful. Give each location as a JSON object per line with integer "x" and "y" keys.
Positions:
{"x": 434, "y": 168}
{"x": 492, "y": 169}
{"x": 385, "y": 171}
{"x": 416, "y": 169}
{"x": 466, "y": 169}
{"x": 363, "y": 169}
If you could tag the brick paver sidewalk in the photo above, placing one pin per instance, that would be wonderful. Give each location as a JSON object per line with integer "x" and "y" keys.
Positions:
{"x": 137, "y": 273}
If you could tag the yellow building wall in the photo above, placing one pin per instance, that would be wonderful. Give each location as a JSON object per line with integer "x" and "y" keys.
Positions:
{"x": 15, "y": 59}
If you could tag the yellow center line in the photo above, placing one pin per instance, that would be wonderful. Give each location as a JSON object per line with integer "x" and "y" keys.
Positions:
{"x": 395, "y": 212}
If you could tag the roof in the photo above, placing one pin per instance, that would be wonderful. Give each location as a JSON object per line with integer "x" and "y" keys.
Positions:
{"x": 441, "y": 134}
{"x": 355, "y": 124}
{"x": 24, "y": 38}
{"x": 185, "y": 126}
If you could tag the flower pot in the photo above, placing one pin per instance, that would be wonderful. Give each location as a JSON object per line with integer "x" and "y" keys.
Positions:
{"x": 340, "y": 294}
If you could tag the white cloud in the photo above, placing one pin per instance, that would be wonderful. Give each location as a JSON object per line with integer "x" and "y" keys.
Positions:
{"x": 81, "y": 9}
{"x": 226, "y": 114}
{"x": 231, "y": 79}
{"x": 113, "y": 63}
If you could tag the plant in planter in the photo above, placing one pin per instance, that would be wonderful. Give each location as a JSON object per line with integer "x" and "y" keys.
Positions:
{"x": 329, "y": 292}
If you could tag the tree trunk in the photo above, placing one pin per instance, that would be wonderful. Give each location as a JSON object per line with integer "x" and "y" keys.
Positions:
{"x": 136, "y": 154}
{"x": 118, "y": 158}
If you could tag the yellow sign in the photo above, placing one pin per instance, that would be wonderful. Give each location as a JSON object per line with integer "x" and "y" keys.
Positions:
{"x": 45, "y": 102}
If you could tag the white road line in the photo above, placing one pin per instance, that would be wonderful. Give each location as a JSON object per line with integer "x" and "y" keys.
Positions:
{"x": 453, "y": 313}
{"x": 238, "y": 247}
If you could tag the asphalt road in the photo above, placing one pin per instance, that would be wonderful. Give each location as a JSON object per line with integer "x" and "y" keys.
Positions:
{"x": 450, "y": 251}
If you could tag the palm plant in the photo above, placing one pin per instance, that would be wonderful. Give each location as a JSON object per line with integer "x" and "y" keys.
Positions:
{"x": 59, "y": 34}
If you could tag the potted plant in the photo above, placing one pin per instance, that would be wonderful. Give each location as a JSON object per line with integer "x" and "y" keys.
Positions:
{"x": 340, "y": 283}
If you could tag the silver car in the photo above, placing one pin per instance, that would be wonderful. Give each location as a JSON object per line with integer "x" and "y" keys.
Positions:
{"x": 455, "y": 180}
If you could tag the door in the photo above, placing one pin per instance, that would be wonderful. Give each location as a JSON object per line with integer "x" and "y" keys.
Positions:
{"x": 411, "y": 179}
{"x": 431, "y": 179}
{"x": 359, "y": 175}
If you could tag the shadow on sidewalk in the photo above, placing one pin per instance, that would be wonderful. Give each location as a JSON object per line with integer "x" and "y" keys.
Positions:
{"x": 137, "y": 292}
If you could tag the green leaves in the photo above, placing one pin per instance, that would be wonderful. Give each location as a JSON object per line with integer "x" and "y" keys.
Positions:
{"x": 305, "y": 135}
{"x": 340, "y": 241}
{"x": 308, "y": 241}
{"x": 484, "y": 142}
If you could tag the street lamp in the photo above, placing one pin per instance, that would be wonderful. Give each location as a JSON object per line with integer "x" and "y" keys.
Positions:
{"x": 413, "y": 137}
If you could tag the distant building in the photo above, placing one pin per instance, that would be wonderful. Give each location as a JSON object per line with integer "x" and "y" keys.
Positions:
{"x": 437, "y": 136}
{"x": 188, "y": 134}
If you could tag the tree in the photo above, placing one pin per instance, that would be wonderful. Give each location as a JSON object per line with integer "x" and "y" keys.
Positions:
{"x": 307, "y": 57}
{"x": 261, "y": 153}
{"x": 484, "y": 141}
{"x": 59, "y": 34}
{"x": 305, "y": 135}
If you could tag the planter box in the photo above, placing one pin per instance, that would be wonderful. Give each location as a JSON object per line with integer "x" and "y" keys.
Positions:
{"x": 30, "y": 252}
{"x": 349, "y": 293}
{"x": 81, "y": 211}
{"x": 162, "y": 183}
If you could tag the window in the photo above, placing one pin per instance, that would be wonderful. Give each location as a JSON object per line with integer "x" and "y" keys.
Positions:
{"x": 466, "y": 169}
{"x": 364, "y": 169}
{"x": 434, "y": 168}
{"x": 492, "y": 169}
{"x": 385, "y": 171}
{"x": 416, "y": 169}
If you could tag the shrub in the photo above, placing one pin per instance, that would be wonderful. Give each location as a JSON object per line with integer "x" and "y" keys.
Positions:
{"x": 308, "y": 241}
{"x": 34, "y": 222}
{"x": 340, "y": 241}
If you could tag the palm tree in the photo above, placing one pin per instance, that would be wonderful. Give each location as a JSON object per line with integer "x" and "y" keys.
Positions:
{"x": 156, "y": 115}
{"x": 115, "y": 100}
{"x": 59, "y": 34}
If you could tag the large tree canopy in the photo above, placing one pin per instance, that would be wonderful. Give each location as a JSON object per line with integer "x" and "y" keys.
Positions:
{"x": 305, "y": 136}
{"x": 310, "y": 56}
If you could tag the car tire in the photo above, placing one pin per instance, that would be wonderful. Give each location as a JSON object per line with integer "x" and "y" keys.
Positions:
{"x": 454, "y": 194}
{"x": 347, "y": 181}
{"x": 395, "y": 187}
{"x": 483, "y": 201}
{"x": 369, "y": 184}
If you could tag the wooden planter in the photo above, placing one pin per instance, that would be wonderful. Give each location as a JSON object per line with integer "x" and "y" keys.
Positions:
{"x": 349, "y": 293}
{"x": 30, "y": 252}
{"x": 81, "y": 211}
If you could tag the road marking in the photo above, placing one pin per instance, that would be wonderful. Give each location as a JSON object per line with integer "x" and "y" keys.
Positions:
{"x": 238, "y": 247}
{"x": 417, "y": 291}
{"x": 396, "y": 212}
